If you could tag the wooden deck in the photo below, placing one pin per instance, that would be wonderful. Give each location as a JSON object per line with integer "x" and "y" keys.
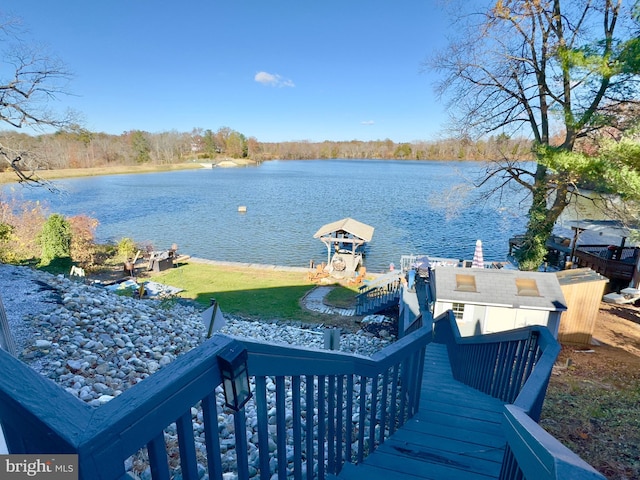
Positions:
{"x": 456, "y": 433}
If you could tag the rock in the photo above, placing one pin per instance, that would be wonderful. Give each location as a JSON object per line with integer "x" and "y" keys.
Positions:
{"x": 75, "y": 365}
{"x": 43, "y": 344}
{"x": 102, "y": 399}
{"x": 104, "y": 343}
{"x": 101, "y": 388}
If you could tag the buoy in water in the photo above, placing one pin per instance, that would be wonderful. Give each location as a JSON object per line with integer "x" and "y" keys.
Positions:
{"x": 242, "y": 208}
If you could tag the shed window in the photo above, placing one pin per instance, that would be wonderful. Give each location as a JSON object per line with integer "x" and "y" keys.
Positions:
{"x": 458, "y": 310}
{"x": 465, "y": 283}
{"x": 527, "y": 287}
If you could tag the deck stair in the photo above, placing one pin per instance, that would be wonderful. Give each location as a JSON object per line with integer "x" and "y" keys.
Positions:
{"x": 455, "y": 434}
{"x": 407, "y": 412}
{"x": 380, "y": 294}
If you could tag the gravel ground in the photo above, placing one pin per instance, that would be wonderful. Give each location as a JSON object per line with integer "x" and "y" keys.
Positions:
{"x": 25, "y": 292}
{"x": 96, "y": 344}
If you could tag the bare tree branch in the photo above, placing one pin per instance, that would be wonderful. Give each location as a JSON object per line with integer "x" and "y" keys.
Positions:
{"x": 31, "y": 81}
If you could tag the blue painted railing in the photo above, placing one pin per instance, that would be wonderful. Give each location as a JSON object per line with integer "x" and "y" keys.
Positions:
{"x": 40, "y": 417}
{"x": 384, "y": 390}
{"x": 515, "y": 366}
{"x": 379, "y": 294}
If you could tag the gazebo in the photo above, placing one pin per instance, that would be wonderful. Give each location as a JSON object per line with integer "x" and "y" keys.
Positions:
{"x": 344, "y": 240}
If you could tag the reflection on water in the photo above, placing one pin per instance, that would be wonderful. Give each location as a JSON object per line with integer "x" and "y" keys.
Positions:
{"x": 415, "y": 207}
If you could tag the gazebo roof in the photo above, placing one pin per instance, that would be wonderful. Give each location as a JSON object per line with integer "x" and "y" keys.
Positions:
{"x": 349, "y": 225}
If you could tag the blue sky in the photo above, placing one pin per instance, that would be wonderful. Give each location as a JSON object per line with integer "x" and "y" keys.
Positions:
{"x": 276, "y": 70}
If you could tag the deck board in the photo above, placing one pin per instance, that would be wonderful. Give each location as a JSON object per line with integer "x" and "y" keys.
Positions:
{"x": 456, "y": 433}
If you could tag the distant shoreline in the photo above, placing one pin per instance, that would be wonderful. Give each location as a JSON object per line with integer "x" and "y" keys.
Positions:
{"x": 10, "y": 177}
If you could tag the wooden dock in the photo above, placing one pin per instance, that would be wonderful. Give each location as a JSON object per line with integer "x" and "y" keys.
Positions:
{"x": 456, "y": 433}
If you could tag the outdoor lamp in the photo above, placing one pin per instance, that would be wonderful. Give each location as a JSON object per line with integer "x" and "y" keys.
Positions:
{"x": 232, "y": 361}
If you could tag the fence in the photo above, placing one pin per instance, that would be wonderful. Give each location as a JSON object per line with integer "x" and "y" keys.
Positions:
{"x": 359, "y": 402}
{"x": 616, "y": 264}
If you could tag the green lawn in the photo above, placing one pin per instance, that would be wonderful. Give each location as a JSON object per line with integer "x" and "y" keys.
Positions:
{"x": 250, "y": 292}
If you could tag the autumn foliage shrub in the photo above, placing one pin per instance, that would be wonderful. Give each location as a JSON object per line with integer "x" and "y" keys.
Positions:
{"x": 23, "y": 223}
{"x": 83, "y": 247}
{"x": 22, "y": 226}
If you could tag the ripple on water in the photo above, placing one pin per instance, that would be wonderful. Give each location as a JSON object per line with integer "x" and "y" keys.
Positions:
{"x": 415, "y": 207}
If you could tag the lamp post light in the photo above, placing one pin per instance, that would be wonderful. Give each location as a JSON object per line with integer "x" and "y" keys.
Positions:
{"x": 232, "y": 361}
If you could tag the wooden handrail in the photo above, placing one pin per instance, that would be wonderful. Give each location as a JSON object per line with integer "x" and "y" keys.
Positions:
{"x": 385, "y": 388}
{"x": 501, "y": 364}
{"x": 613, "y": 269}
{"x": 534, "y": 454}
{"x": 39, "y": 416}
{"x": 528, "y": 355}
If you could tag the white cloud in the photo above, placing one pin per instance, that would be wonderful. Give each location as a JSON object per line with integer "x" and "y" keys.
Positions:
{"x": 273, "y": 80}
{"x": 367, "y": 122}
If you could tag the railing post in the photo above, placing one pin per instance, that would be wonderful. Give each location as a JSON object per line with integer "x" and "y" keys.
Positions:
{"x": 281, "y": 427}
{"x": 309, "y": 425}
{"x": 240, "y": 425}
{"x": 210, "y": 417}
{"x": 297, "y": 426}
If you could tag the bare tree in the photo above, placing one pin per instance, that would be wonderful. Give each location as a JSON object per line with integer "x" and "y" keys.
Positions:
{"x": 555, "y": 69}
{"x": 31, "y": 79}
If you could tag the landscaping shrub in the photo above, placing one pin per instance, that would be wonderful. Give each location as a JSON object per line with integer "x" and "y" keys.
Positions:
{"x": 25, "y": 221}
{"x": 55, "y": 240}
{"x": 127, "y": 248}
{"x": 83, "y": 247}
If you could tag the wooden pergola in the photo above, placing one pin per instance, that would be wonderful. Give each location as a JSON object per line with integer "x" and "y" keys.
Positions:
{"x": 344, "y": 238}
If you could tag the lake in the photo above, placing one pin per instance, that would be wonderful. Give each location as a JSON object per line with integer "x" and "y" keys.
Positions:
{"x": 416, "y": 207}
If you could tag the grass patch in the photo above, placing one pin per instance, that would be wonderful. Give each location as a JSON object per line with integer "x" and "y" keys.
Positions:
{"x": 342, "y": 297}
{"x": 599, "y": 423}
{"x": 249, "y": 292}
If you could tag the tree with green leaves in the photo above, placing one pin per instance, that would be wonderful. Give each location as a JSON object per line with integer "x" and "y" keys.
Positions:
{"x": 55, "y": 240}
{"x": 140, "y": 146}
{"x": 559, "y": 70}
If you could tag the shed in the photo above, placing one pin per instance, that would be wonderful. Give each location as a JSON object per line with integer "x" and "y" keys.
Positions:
{"x": 345, "y": 240}
{"x": 582, "y": 289}
{"x": 490, "y": 300}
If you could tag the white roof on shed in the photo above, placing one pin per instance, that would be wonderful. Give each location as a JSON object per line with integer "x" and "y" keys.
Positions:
{"x": 499, "y": 288}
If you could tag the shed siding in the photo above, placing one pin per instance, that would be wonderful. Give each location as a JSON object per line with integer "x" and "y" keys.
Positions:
{"x": 579, "y": 321}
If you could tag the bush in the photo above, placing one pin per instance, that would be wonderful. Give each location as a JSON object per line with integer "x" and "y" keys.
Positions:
{"x": 5, "y": 232}
{"x": 25, "y": 220}
{"x": 6, "y": 255}
{"x": 55, "y": 240}
{"x": 83, "y": 247}
{"x": 127, "y": 248}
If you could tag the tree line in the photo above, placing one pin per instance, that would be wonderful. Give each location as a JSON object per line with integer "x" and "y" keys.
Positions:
{"x": 80, "y": 148}
{"x": 565, "y": 74}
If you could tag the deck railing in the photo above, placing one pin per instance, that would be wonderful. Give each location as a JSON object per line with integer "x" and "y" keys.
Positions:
{"x": 600, "y": 259}
{"x": 39, "y": 417}
{"x": 313, "y": 410}
{"x": 358, "y": 402}
{"x": 379, "y": 294}
{"x": 515, "y": 367}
